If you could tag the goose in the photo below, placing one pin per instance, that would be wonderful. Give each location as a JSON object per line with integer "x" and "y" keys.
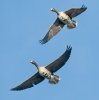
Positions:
{"x": 46, "y": 72}
{"x": 63, "y": 18}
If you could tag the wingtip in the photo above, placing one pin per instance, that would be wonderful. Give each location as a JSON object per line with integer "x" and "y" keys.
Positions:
{"x": 41, "y": 42}
{"x": 17, "y": 89}
{"x": 12, "y": 89}
{"x": 69, "y": 48}
{"x": 83, "y": 6}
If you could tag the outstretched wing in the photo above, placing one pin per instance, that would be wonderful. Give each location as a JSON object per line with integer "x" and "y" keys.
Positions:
{"x": 58, "y": 63}
{"x": 34, "y": 80}
{"x": 53, "y": 30}
{"x": 75, "y": 11}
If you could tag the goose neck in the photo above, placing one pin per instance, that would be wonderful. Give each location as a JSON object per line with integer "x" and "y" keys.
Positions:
{"x": 56, "y": 11}
{"x": 36, "y": 65}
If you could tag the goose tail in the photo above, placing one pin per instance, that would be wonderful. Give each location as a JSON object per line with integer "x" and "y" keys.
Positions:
{"x": 54, "y": 79}
{"x": 72, "y": 25}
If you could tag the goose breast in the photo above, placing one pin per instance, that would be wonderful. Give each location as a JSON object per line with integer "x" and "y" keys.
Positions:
{"x": 64, "y": 18}
{"x": 44, "y": 72}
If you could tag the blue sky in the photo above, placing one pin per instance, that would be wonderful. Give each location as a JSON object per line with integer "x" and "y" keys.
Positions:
{"x": 22, "y": 24}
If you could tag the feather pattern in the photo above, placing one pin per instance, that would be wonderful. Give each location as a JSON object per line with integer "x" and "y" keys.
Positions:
{"x": 34, "y": 80}
{"x": 75, "y": 11}
{"x": 53, "y": 30}
{"x": 58, "y": 63}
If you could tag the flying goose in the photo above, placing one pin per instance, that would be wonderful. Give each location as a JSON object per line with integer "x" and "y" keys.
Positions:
{"x": 46, "y": 72}
{"x": 63, "y": 18}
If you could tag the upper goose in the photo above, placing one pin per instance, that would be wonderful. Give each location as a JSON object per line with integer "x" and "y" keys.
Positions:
{"x": 63, "y": 18}
{"x": 46, "y": 72}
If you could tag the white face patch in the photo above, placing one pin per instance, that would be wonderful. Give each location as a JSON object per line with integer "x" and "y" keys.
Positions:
{"x": 64, "y": 18}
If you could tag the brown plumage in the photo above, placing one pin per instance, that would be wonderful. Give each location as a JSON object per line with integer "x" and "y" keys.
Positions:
{"x": 66, "y": 18}
{"x": 51, "y": 68}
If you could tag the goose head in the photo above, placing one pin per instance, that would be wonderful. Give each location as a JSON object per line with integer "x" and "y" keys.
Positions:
{"x": 54, "y": 10}
{"x": 33, "y": 62}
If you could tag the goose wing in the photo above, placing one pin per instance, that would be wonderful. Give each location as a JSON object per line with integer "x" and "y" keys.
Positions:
{"x": 53, "y": 30}
{"x": 58, "y": 63}
{"x": 34, "y": 80}
{"x": 75, "y": 11}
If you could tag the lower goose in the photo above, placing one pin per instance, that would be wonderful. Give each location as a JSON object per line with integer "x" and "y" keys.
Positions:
{"x": 46, "y": 72}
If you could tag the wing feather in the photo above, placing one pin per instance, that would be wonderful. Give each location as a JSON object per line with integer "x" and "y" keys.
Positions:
{"x": 75, "y": 11}
{"x": 58, "y": 63}
{"x": 34, "y": 80}
{"x": 53, "y": 30}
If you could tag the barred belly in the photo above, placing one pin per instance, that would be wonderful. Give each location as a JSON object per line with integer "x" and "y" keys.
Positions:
{"x": 64, "y": 18}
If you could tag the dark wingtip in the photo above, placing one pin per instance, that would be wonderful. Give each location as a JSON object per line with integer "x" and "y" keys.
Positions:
{"x": 13, "y": 89}
{"x": 41, "y": 42}
{"x": 69, "y": 47}
{"x": 19, "y": 89}
{"x": 83, "y": 6}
